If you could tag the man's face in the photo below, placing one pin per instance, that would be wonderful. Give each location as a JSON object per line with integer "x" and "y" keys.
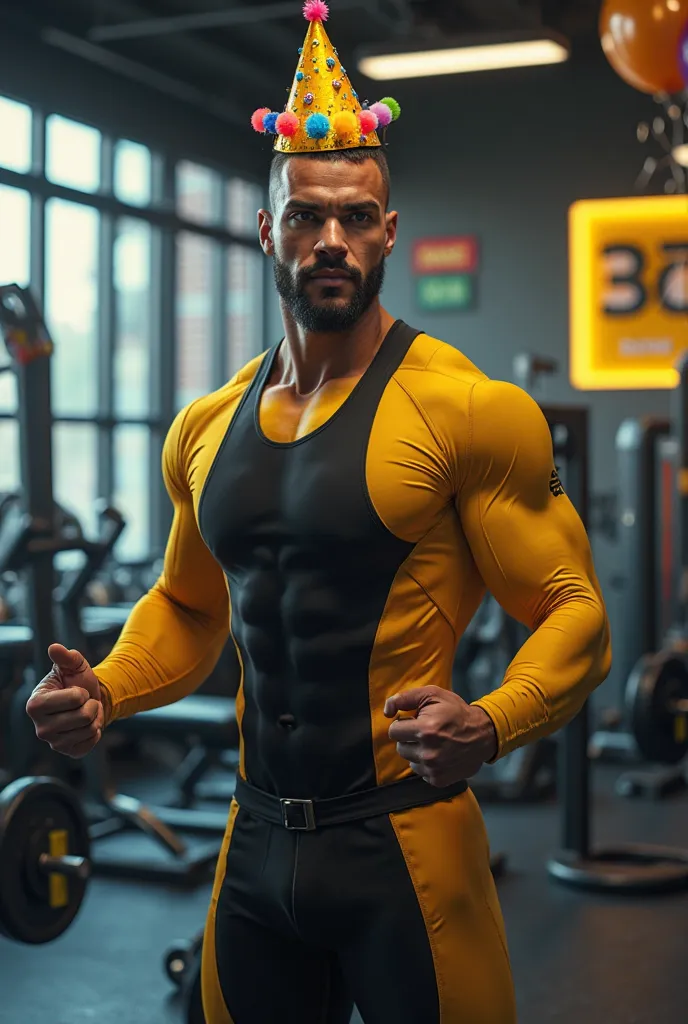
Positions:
{"x": 329, "y": 235}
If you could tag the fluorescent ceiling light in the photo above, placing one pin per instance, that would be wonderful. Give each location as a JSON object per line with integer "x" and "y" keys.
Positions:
{"x": 464, "y": 57}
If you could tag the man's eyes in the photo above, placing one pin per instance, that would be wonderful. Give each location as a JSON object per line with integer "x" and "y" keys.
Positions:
{"x": 359, "y": 217}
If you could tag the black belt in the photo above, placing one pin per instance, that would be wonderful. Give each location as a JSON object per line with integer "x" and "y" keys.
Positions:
{"x": 307, "y": 815}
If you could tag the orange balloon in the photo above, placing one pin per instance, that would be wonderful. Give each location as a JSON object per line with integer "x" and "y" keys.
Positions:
{"x": 641, "y": 40}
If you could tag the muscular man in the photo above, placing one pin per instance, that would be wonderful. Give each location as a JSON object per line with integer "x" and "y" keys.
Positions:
{"x": 346, "y": 499}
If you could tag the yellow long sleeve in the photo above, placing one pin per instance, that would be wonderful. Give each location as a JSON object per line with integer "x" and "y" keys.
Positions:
{"x": 176, "y": 633}
{"x": 532, "y": 551}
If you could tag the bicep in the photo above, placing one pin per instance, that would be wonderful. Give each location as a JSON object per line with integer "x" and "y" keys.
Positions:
{"x": 526, "y": 538}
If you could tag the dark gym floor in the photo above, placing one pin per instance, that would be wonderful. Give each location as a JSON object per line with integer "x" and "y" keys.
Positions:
{"x": 576, "y": 957}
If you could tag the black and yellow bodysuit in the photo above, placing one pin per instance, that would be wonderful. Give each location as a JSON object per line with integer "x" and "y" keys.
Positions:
{"x": 349, "y": 562}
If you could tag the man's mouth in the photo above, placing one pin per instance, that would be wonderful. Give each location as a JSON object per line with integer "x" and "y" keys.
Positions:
{"x": 331, "y": 275}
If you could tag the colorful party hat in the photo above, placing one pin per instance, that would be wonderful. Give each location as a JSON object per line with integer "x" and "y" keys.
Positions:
{"x": 323, "y": 111}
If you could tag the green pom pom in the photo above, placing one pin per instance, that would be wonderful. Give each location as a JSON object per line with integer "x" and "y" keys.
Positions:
{"x": 393, "y": 106}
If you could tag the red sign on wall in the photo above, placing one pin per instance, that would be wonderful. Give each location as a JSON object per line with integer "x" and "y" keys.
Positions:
{"x": 455, "y": 255}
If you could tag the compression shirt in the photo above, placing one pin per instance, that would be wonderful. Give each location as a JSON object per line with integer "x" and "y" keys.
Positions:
{"x": 346, "y": 564}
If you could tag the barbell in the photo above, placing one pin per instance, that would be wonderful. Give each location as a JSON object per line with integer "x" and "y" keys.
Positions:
{"x": 44, "y": 872}
{"x": 44, "y": 859}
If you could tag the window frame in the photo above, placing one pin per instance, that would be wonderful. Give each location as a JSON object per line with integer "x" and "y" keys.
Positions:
{"x": 166, "y": 225}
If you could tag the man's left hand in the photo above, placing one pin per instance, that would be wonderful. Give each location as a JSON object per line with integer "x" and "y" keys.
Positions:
{"x": 446, "y": 740}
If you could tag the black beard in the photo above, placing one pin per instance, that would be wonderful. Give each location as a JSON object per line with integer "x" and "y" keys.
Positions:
{"x": 330, "y": 318}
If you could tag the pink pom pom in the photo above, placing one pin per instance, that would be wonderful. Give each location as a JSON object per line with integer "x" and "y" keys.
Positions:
{"x": 287, "y": 123}
{"x": 383, "y": 114}
{"x": 257, "y": 118}
{"x": 368, "y": 120}
{"x": 316, "y": 10}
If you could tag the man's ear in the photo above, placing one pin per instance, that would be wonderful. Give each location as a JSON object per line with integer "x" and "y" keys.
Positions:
{"x": 392, "y": 220}
{"x": 265, "y": 232}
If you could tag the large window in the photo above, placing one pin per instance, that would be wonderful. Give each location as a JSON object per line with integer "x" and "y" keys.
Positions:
{"x": 73, "y": 154}
{"x": 133, "y": 318}
{"x": 151, "y": 279}
{"x": 195, "y": 258}
{"x": 71, "y": 305}
{"x": 15, "y": 135}
{"x": 15, "y": 231}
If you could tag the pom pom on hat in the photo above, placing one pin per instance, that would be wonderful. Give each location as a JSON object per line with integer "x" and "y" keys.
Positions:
{"x": 287, "y": 123}
{"x": 316, "y": 10}
{"x": 368, "y": 121}
{"x": 270, "y": 121}
{"x": 317, "y": 126}
{"x": 383, "y": 114}
{"x": 257, "y": 119}
{"x": 345, "y": 122}
{"x": 393, "y": 106}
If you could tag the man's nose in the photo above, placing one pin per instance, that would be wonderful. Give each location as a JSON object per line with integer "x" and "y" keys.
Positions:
{"x": 332, "y": 242}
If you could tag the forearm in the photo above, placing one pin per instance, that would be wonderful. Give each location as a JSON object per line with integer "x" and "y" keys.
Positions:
{"x": 567, "y": 656}
{"x": 164, "y": 653}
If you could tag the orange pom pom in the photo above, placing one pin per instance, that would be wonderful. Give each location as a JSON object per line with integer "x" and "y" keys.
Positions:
{"x": 345, "y": 123}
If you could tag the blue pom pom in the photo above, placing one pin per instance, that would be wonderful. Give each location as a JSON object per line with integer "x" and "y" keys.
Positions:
{"x": 317, "y": 126}
{"x": 299, "y": 76}
{"x": 300, "y": 49}
{"x": 331, "y": 62}
{"x": 270, "y": 123}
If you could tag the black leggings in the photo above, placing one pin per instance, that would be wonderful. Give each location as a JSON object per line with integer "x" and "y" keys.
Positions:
{"x": 397, "y": 913}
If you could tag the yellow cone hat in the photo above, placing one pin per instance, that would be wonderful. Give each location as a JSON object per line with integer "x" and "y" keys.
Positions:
{"x": 323, "y": 111}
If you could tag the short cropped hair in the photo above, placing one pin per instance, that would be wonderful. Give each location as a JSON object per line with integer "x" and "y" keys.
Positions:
{"x": 353, "y": 156}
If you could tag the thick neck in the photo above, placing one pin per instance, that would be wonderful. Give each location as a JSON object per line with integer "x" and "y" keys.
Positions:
{"x": 308, "y": 359}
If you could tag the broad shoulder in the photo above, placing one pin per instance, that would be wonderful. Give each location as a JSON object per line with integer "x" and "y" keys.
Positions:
{"x": 202, "y": 411}
{"x": 201, "y": 416}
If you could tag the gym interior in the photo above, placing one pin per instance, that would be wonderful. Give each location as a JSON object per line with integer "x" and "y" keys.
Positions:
{"x": 543, "y": 231}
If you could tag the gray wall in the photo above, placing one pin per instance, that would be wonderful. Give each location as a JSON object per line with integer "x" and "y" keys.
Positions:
{"x": 503, "y": 156}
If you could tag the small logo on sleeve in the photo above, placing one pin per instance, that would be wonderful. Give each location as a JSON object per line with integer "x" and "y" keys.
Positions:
{"x": 555, "y": 484}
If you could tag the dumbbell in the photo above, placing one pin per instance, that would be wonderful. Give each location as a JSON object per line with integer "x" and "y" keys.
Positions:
{"x": 44, "y": 859}
{"x": 179, "y": 959}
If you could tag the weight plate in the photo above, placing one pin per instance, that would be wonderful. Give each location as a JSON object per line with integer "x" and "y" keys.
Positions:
{"x": 655, "y": 682}
{"x": 39, "y": 815}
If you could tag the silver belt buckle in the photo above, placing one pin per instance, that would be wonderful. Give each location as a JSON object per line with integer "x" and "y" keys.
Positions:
{"x": 298, "y": 810}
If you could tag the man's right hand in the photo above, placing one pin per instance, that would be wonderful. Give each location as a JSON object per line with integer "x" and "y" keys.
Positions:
{"x": 66, "y": 707}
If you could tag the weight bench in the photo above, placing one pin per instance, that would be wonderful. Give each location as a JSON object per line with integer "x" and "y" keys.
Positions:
{"x": 208, "y": 724}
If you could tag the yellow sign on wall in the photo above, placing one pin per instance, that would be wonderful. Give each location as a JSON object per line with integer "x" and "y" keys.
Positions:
{"x": 628, "y": 291}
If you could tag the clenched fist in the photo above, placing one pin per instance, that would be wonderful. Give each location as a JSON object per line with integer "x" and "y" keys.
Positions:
{"x": 66, "y": 706}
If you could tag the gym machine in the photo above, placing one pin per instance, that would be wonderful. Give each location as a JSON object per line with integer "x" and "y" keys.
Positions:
{"x": 637, "y": 629}
{"x": 32, "y": 532}
{"x": 649, "y": 455}
{"x": 657, "y": 694}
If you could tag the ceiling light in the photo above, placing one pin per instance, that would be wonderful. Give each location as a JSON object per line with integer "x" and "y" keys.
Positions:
{"x": 481, "y": 53}
{"x": 680, "y": 154}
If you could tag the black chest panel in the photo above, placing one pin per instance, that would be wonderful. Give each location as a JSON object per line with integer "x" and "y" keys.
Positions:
{"x": 310, "y": 566}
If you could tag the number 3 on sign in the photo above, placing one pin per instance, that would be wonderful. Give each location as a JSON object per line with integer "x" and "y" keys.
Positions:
{"x": 628, "y": 291}
{"x": 625, "y": 269}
